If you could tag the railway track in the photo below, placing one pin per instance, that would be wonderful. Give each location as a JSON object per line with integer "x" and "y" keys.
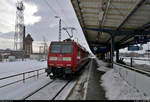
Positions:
{"x": 49, "y": 91}
{"x": 54, "y": 90}
{"x": 60, "y": 90}
{"x": 32, "y": 93}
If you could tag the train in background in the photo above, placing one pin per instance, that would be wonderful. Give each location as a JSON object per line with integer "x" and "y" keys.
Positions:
{"x": 65, "y": 58}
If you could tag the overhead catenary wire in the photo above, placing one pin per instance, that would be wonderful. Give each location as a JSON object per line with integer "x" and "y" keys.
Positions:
{"x": 50, "y": 8}
{"x": 62, "y": 10}
{"x": 54, "y": 12}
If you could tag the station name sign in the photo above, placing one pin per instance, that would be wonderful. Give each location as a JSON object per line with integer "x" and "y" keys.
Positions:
{"x": 133, "y": 48}
{"x": 98, "y": 49}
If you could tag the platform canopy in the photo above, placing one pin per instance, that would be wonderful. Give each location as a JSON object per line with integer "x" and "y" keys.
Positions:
{"x": 102, "y": 19}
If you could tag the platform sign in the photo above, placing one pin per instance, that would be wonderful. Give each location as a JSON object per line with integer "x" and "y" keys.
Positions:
{"x": 98, "y": 49}
{"x": 133, "y": 48}
{"x": 101, "y": 49}
{"x": 140, "y": 39}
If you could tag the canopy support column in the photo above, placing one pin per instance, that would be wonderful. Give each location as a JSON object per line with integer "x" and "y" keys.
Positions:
{"x": 117, "y": 55}
{"x": 112, "y": 49}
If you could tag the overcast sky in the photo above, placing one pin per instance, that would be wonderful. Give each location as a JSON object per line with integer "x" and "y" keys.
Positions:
{"x": 40, "y": 22}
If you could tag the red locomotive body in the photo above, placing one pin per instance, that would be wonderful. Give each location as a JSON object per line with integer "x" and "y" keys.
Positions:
{"x": 65, "y": 58}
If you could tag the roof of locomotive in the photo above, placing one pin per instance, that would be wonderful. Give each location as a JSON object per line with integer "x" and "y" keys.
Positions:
{"x": 72, "y": 41}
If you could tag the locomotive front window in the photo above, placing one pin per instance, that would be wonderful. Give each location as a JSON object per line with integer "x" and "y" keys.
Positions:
{"x": 61, "y": 48}
{"x": 66, "y": 48}
{"x": 55, "y": 48}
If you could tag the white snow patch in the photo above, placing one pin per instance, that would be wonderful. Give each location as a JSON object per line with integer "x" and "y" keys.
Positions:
{"x": 10, "y": 68}
{"x": 80, "y": 89}
{"x": 20, "y": 89}
{"x": 102, "y": 65}
{"x": 127, "y": 59}
{"x": 118, "y": 89}
{"x": 64, "y": 94}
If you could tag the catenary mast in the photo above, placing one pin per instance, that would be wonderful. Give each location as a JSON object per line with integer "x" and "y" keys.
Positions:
{"x": 19, "y": 27}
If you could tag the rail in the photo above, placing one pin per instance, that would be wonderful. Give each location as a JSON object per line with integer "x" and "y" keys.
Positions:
{"x": 23, "y": 76}
{"x": 61, "y": 90}
{"x": 132, "y": 68}
{"x": 29, "y": 96}
{"x": 32, "y": 93}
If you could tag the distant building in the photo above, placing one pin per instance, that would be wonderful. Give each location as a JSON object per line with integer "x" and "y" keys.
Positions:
{"x": 6, "y": 53}
{"x": 28, "y": 45}
{"x": 37, "y": 56}
{"x": 26, "y": 52}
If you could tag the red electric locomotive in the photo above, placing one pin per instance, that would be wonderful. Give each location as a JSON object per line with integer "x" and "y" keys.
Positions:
{"x": 65, "y": 58}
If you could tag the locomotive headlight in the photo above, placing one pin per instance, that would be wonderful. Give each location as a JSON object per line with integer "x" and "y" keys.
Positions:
{"x": 66, "y": 58}
{"x": 53, "y": 58}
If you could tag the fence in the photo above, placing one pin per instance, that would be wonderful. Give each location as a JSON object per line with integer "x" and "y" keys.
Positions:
{"x": 13, "y": 78}
{"x": 132, "y": 61}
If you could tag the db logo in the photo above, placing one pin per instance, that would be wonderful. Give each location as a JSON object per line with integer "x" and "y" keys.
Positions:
{"x": 59, "y": 58}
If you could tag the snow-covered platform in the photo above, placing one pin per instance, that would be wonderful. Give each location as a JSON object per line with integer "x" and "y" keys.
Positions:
{"x": 88, "y": 86}
{"x": 94, "y": 90}
{"x": 105, "y": 83}
{"x": 121, "y": 83}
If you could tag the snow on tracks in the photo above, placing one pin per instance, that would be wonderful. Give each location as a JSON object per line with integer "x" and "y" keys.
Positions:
{"x": 51, "y": 91}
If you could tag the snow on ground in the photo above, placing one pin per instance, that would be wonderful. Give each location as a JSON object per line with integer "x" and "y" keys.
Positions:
{"x": 137, "y": 61}
{"x": 48, "y": 92}
{"x": 65, "y": 93}
{"x": 20, "y": 89}
{"x": 118, "y": 89}
{"x": 102, "y": 65}
{"x": 140, "y": 64}
{"x": 9, "y": 68}
{"x": 80, "y": 89}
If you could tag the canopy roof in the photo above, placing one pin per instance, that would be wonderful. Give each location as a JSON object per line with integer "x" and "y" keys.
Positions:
{"x": 100, "y": 19}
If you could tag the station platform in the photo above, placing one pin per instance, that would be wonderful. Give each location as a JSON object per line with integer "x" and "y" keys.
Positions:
{"x": 121, "y": 83}
{"x": 88, "y": 86}
{"x": 94, "y": 90}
